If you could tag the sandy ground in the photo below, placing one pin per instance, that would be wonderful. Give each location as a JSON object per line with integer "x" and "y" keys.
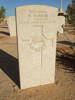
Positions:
{"x": 64, "y": 87}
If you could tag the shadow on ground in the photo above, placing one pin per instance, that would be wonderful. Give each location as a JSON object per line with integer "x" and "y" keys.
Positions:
{"x": 9, "y": 65}
{"x": 68, "y": 60}
{"x": 66, "y": 43}
{"x": 5, "y": 33}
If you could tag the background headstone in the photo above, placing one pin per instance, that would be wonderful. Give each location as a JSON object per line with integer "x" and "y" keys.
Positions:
{"x": 37, "y": 27}
{"x": 12, "y": 25}
{"x": 61, "y": 22}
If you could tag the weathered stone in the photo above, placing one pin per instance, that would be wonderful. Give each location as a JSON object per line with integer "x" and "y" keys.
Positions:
{"x": 61, "y": 22}
{"x": 37, "y": 27}
{"x": 12, "y": 25}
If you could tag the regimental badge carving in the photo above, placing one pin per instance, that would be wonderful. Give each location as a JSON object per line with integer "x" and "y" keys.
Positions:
{"x": 37, "y": 44}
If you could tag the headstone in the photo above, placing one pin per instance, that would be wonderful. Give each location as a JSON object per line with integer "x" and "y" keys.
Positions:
{"x": 12, "y": 25}
{"x": 61, "y": 22}
{"x": 37, "y": 27}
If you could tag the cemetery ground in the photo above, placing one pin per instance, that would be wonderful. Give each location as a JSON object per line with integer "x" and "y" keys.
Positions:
{"x": 64, "y": 87}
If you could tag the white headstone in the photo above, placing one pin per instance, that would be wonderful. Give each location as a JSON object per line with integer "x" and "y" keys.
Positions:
{"x": 37, "y": 27}
{"x": 61, "y": 22}
{"x": 12, "y": 25}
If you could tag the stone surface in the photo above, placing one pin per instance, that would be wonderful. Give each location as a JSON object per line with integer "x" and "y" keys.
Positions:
{"x": 37, "y": 27}
{"x": 12, "y": 25}
{"x": 61, "y": 22}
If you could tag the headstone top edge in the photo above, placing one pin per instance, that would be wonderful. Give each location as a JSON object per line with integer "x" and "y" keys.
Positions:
{"x": 11, "y": 16}
{"x": 37, "y": 6}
